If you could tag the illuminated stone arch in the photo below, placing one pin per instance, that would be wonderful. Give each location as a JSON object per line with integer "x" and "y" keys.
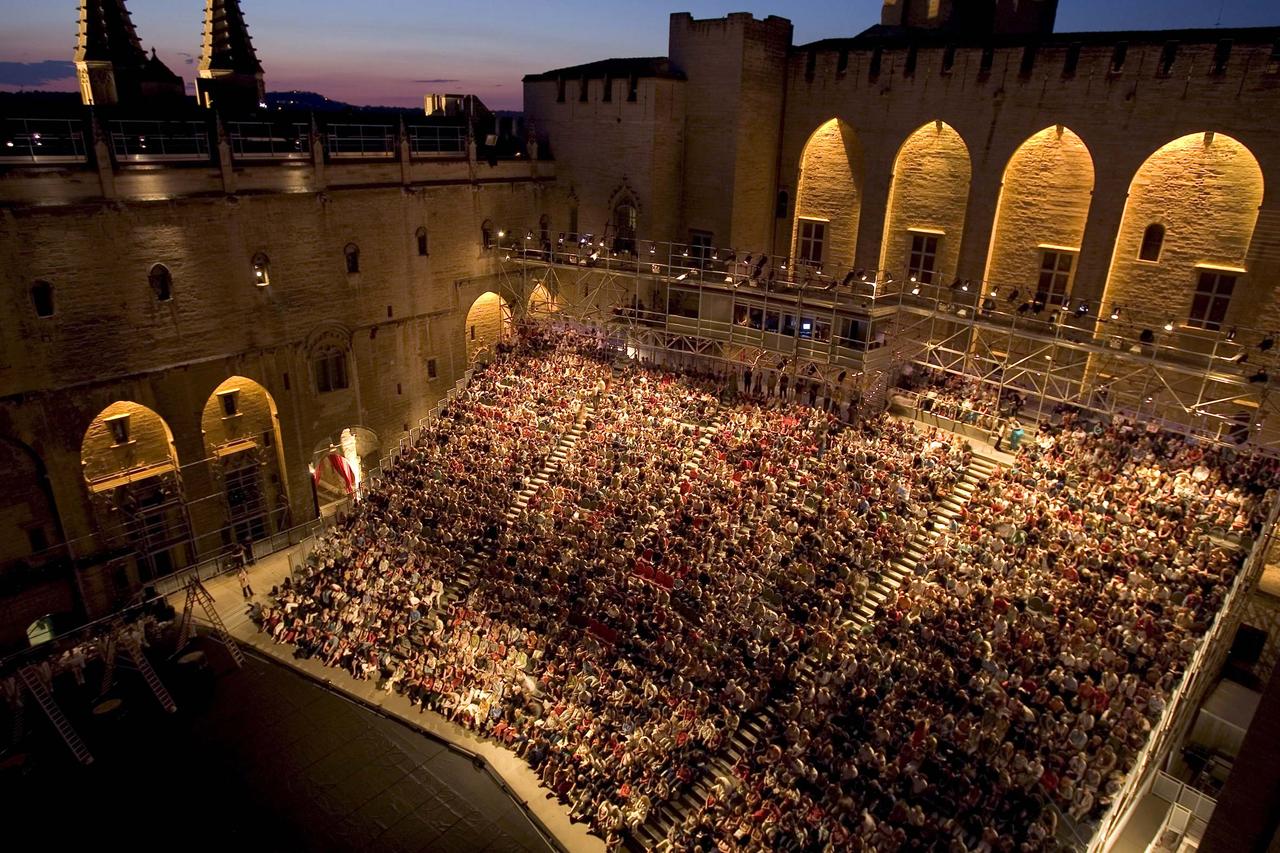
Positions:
{"x": 829, "y": 190}
{"x": 488, "y": 320}
{"x": 927, "y": 200}
{"x": 1204, "y": 190}
{"x": 242, "y": 439}
{"x": 542, "y": 302}
{"x": 1045, "y": 196}
{"x": 131, "y": 470}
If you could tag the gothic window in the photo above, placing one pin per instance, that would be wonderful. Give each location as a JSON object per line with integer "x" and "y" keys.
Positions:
{"x": 161, "y": 281}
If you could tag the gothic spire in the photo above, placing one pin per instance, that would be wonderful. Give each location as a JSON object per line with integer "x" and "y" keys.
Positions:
{"x": 107, "y": 34}
{"x": 226, "y": 45}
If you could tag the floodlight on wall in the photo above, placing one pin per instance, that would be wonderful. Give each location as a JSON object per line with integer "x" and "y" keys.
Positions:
{"x": 915, "y": 291}
{"x": 965, "y": 286}
{"x": 1168, "y": 326}
{"x": 501, "y": 233}
{"x": 1231, "y": 333}
{"x": 682, "y": 276}
{"x": 1082, "y": 308}
{"x": 653, "y": 248}
{"x": 528, "y": 235}
{"x": 1115, "y": 313}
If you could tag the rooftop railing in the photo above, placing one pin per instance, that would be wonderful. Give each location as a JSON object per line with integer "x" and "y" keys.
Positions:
{"x": 135, "y": 141}
{"x": 41, "y": 140}
{"x": 361, "y": 140}
{"x": 254, "y": 140}
{"x": 437, "y": 140}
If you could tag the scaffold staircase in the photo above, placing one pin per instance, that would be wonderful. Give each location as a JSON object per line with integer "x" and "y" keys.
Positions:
{"x": 35, "y": 685}
{"x": 197, "y": 594}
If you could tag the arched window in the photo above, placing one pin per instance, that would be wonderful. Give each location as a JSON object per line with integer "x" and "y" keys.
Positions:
{"x": 161, "y": 281}
{"x": 352, "y": 253}
{"x": 1152, "y": 242}
{"x": 261, "y": 270}
{"x": 625, "y": 217}
{"x": 544, "y": 231}
{"x": 486, "y": 233}
{"x": 421, "y": 237}
{"x": 330, "y": 368}
{"x": 42, "y": 298}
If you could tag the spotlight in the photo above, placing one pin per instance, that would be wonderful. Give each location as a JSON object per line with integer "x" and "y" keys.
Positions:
{"x": 528, "y": 235}
{"x": 653, "y": 248}
{"x": 1231, "y": 333}
{"x": 685, "y": 253}
{"x": 862, "y": 274}
{"x": 1082, "y": 308}
{"x": 1168, "y": 327}
{"x": 915, "y": 291}
{"x": 1115, "y": 313}
{"x": 501, "y": 234}
{"x": 913, "y": 279}
{"x": 560, "y": 239}
{"x": 595, "y": 256}
{"x": 965, "y": 286}
{"x": 682, "y": 276}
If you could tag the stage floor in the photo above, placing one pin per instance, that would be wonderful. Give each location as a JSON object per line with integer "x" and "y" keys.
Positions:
{"x": 523, "y": 781}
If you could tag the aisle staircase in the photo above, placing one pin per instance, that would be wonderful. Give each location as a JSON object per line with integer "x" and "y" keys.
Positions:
{"x": 752, "y": 726}
{"x": 918, "y": 547}
{"x": 462, "y": 582}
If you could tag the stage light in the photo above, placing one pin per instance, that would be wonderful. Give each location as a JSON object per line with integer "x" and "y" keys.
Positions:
{"x": 653, "y": 249}
{"x": 965, "y": 286}
{"x": 1231, "y": 333}
{"x": 913, "y": 279}
{"x": 528, "y": 235}
{"x": 501, "y": 234}
{"x": 1168, "y": 327}
{"x": 915, "y": 291}
{"x": 1082, "y": 308}
{"x": 682, "y": 276}
{"x": 1115, "y": 313}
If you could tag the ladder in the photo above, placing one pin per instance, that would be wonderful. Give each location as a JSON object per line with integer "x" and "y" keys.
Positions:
{"x": 197, "y": 594}
{"x": 31, "y": 678}
{"x": 108, "y": 649}
{"x": 133, "y": 653}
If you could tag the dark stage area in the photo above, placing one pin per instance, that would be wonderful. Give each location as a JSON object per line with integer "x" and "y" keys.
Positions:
{"x": 259, "y": 759}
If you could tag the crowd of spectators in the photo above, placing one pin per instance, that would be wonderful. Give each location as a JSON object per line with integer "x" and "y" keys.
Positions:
{"x": 696, "y": 559}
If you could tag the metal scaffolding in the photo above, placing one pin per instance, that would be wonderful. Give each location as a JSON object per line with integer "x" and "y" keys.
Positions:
{"x": 862, "y": 328}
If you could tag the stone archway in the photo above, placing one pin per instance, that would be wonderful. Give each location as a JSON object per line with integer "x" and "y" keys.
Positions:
{"x": 828, "y": 197}
{"x": 488, "y": 321}
{"x": 924, "y": 221}
{"x": 242, "y": 439}
{"x": 134, "y": 480}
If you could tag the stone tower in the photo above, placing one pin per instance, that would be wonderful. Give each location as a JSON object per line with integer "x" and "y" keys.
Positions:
{"x": 972, "y": 17}
{"x": 109, "y": 58}
{"x": 230, "y": 76}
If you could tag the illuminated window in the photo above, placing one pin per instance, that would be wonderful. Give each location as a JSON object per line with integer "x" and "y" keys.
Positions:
{"x": 421, "y": 237}
{"x": 331, "y": 372}
{"x": 230, "y": 400}
{"x": 812, "y": 242}
{"x": 1152, "y": 242}
{"x": 42, "y": 298}
{"x": 922, "y": 264}
{"x": 261, "y": 270}
{"x": 1213, "y": 296}
{"x": 119, "y": 426}
{"x": 1056, "y": 267}
{"x": 352, "y": 254}
{"x": 161, "y": 282}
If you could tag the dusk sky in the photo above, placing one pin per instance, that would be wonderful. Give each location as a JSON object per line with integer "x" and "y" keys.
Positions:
{"x": 393, "y": 51}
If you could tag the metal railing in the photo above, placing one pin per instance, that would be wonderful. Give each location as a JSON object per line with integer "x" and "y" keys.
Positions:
{"x": 437, "y": 140}
{"x": 153, "y": 141}
{"x": 254, "y": 140}
{"x": 41, "y": 140}
{"x": 361, "y": 140}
